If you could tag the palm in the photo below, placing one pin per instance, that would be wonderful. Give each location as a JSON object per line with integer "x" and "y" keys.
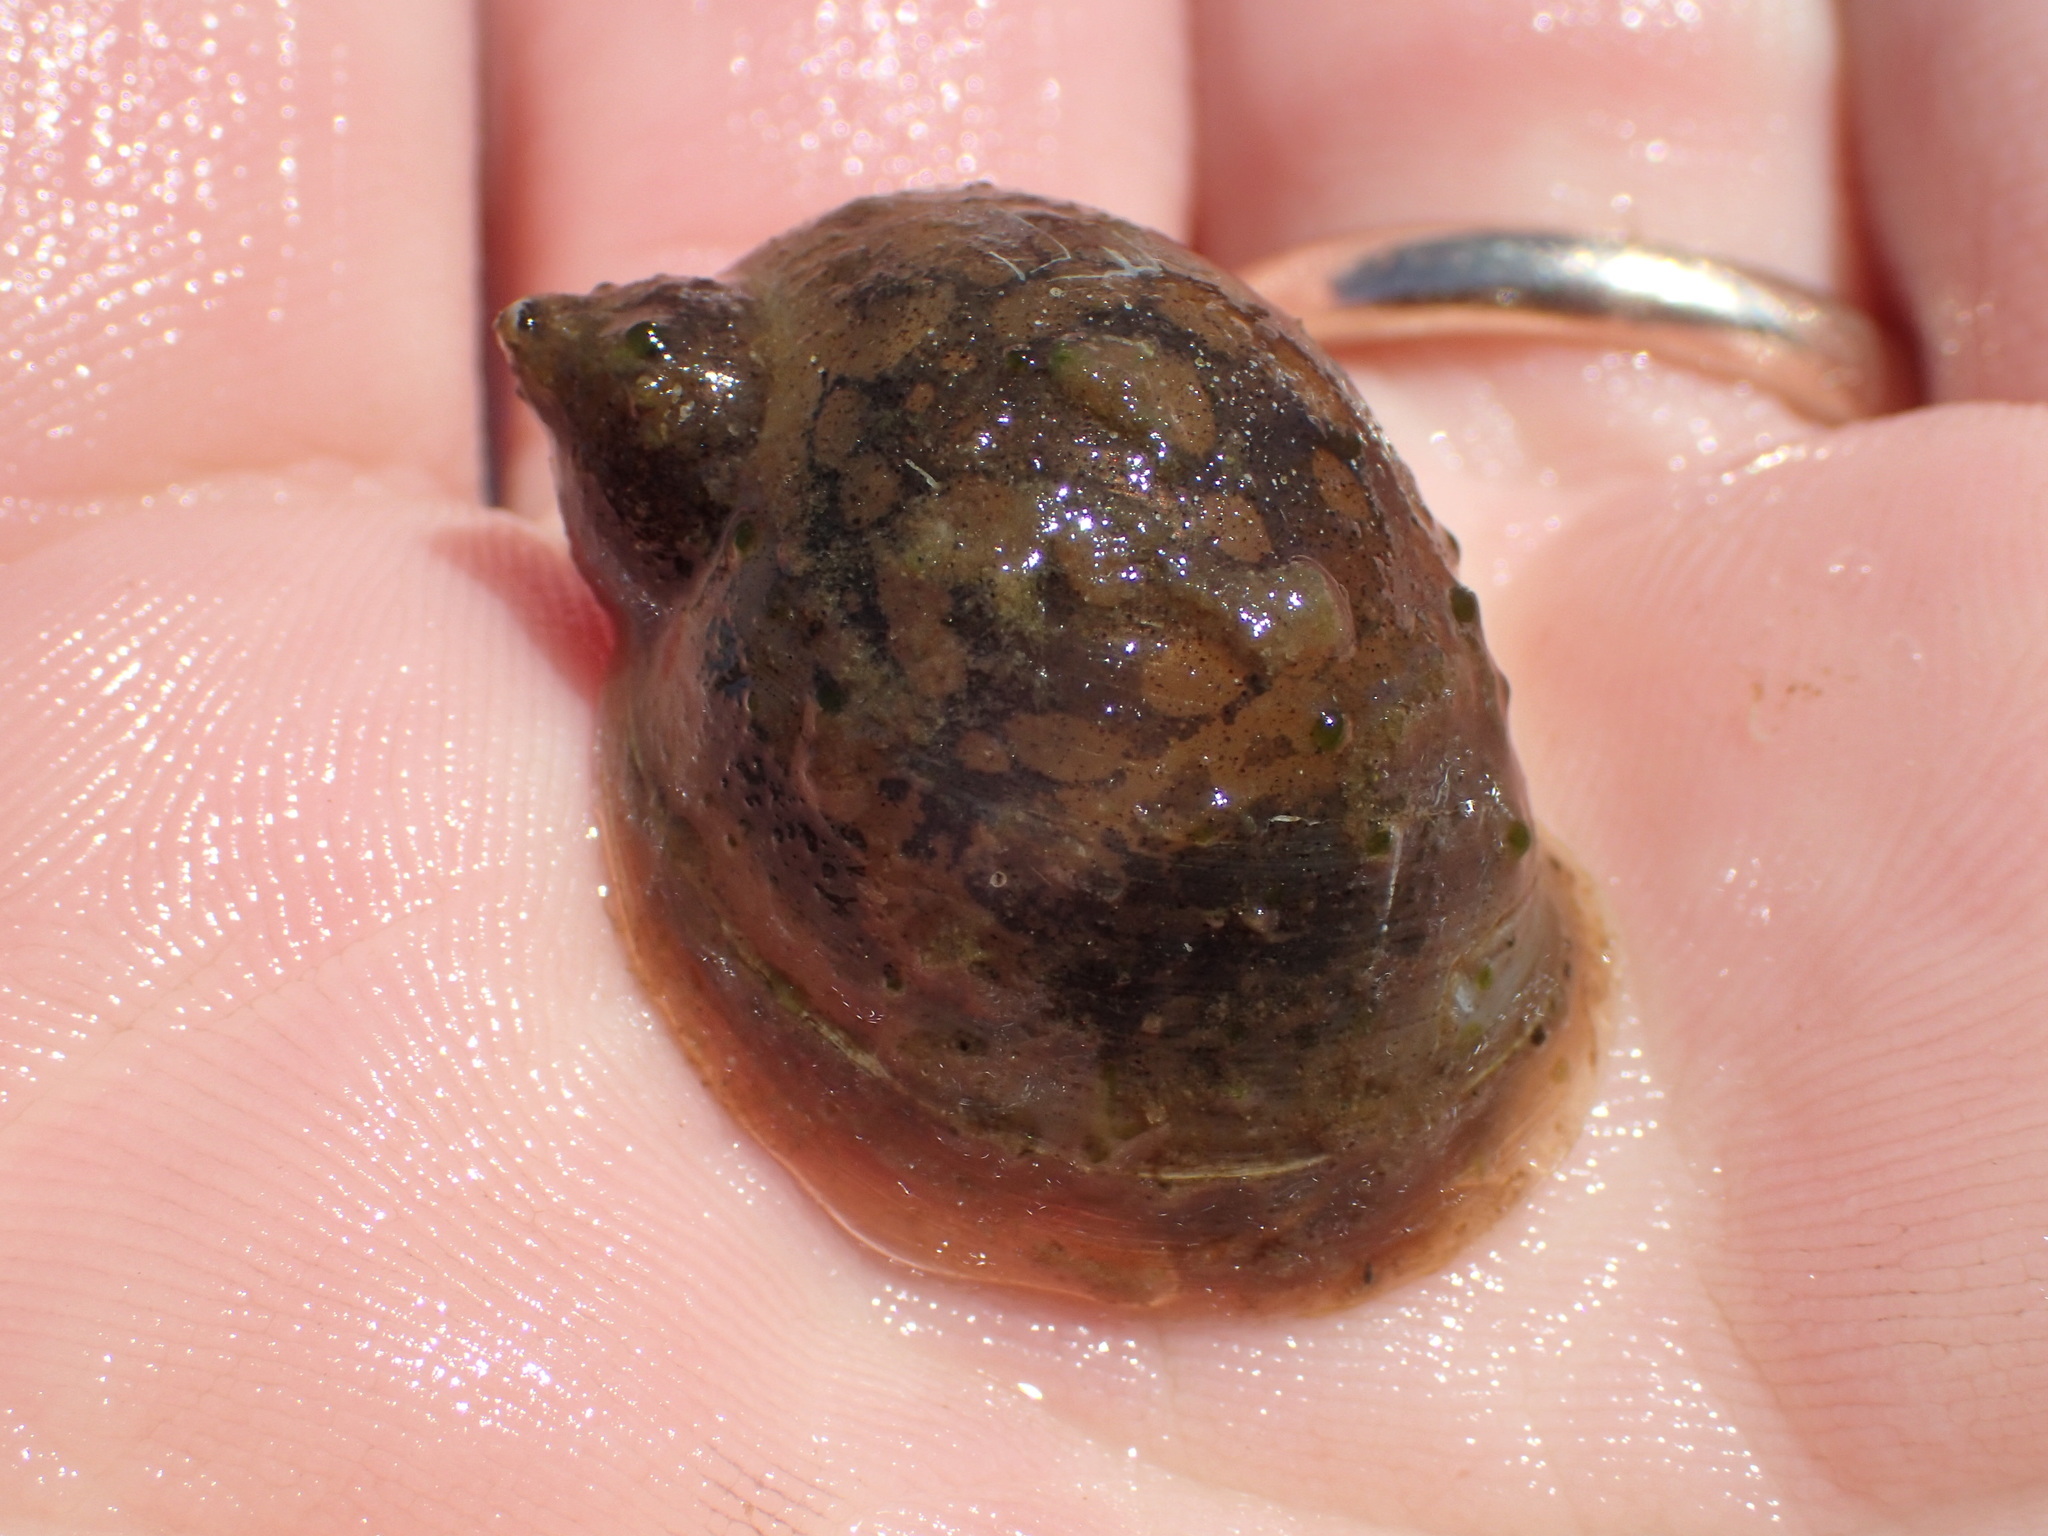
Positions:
{"x": 349, "y": 1184}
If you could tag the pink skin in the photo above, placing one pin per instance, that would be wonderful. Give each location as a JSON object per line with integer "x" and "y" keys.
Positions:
{"x": 346, "y": 1181}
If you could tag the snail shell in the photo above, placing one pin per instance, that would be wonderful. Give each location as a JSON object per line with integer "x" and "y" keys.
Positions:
{"x": 1054, "y": 781}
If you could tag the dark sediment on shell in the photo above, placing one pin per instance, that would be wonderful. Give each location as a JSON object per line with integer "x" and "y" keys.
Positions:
{"x": 1055, "y": 779}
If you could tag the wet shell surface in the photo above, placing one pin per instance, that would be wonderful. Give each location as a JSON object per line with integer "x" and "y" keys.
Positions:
{"x": 1054, "y": 781}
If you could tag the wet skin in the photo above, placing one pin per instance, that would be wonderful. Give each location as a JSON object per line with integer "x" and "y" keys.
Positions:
{"x": 348, "y": 1181}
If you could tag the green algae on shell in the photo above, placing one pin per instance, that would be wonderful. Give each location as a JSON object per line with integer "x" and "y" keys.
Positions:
{"x": 1056, "y": 786}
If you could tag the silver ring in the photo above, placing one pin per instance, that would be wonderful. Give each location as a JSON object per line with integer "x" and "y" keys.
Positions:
{"x": 1825, "y": 359}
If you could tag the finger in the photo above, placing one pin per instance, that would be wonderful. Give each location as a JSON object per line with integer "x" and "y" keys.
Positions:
{"x": 674, "y": 138}
{"x": 235, "y": 236}
{"x": 1953, "y": 135}
{"x": 1800, "y": 728}
{"x": 1693, "y": 122}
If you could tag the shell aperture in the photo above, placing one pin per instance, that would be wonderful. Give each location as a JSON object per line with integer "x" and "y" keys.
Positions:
{"x": 1054, "y": 782}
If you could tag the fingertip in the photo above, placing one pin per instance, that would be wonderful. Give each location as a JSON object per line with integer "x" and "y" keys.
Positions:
{"x": 1953, "y": 151}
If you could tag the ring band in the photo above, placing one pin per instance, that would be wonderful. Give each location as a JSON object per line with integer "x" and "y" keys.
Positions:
{"x": 1825, "y": 359}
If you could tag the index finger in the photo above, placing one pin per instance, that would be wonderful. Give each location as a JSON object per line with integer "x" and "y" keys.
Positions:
{"x": 234, "y": 237}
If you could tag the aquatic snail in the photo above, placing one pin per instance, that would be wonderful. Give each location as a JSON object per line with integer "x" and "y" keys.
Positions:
{"x": 1054, "y": 781}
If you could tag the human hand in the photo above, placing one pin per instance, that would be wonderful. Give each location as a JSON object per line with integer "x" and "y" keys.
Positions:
{"x": 346, "y": 1181}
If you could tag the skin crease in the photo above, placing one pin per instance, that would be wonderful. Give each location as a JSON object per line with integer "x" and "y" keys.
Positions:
{"x": 347, "y": 1183}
